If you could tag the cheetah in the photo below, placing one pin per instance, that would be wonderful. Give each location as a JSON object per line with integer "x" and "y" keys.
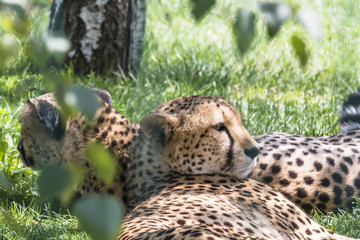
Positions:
{"x": 310, "y": 171}
{"x": 169, "y": 205}
{"x": 316, "y": 173}
{"x": 46, "y": 140}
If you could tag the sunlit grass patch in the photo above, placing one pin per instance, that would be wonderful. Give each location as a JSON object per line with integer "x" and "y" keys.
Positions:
{"x": 345, "y": 222}
{"x": 29, "y": 221}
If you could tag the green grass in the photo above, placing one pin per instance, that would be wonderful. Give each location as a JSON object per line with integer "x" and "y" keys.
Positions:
{"x": 181, "y": 58}
{"x": 346, "y": 222}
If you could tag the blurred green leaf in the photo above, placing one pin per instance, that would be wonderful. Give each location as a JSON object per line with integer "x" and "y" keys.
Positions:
{"x": 275, "y": 14}
{"x": 300, "y": 49}
{"x": 10, "y": 48}
{"x": 244, "y": 29}
{"x": 103, "y": 161}
{"x": 14, "y": 25}
{"x": 77, "y": 176}
{"x": 57, "y": 46}
{"x": 311, "y": 22}
{"x": 83, "y": 100}
{"x": 100, "y": 216}
{"x": 199, "y": 8}
{"x": 3, "y": 148}
{"x": 16, "y": 20}
{"x": 4, "y": 182}
{"x": 48, "y": 46}
{"x": 37, "y": 51}
{"x": 54, "y": 181}
{"x": 19, "y": 6}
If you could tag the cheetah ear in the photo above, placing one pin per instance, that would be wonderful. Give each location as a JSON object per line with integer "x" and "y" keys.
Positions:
{"x": 48, "y": 115}
{"x": 156, "y": 127}
{"x": 104, "y": 95}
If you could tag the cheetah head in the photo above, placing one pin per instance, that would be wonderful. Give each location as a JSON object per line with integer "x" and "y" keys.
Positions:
{"x": 42, "y": 130}
{"x": 201, "y": 135}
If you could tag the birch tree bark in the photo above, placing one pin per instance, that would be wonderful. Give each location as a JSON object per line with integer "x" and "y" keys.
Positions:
{"x": 106, "y": 35}
{"x": 137, "y": 31}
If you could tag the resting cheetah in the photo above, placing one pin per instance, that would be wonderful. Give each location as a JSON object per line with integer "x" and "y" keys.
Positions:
{"x": 46, "y": 140}
{"x": 315, "y": 172}
{"x": 302, "y": 168}
{"x": 202, "y": 206}
{"x": 215, "y": 206}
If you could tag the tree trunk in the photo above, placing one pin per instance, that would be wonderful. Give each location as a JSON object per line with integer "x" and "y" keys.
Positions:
{"x": 57, "y": 18}
{"x": 106, "y": 35}
{"x": 137, "y": 31}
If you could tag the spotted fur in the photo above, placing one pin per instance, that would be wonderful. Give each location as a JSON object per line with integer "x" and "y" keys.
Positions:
{"x": 169, "y": 205}
{"x": 156, "y": 191}
{"x": 219, "y": 207}
{"x": 45, "y": 140}
{"x": 314, "y": 172}
{"x": 198, "y": 135}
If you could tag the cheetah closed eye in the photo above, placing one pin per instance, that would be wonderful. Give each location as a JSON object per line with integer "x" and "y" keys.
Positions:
{"x": 201, "y": 135}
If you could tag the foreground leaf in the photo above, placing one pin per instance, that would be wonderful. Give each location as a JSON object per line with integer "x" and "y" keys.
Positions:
{"x": 83, "y": 100}
{"x": 199, "y": 8}
{"x": 54, "y": 181}
{"x": 100, "y": 216}
{"x": 3, "y": 147}
{"x": 4, "y": 182}
{"x": 103, "y": 161}
{"x": 19, "y": 6}
{"x": 10, "y": 48}
{"x": 57, "y": 46}
{"x": 300, "y": 49}
{"x": 244, "y": 29}
{"x": 275, "y": 14}
{"x": 311, "y": 22}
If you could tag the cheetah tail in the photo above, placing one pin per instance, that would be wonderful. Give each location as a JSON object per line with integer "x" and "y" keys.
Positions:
{"x": 350, "y": 115}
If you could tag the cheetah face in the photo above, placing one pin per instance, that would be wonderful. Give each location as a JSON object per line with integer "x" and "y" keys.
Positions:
{"x": 40, "y": 132}
{"x": 201, "y": 135}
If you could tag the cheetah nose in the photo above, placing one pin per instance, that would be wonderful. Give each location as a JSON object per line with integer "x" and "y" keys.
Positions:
{"x": 252, "y": 152}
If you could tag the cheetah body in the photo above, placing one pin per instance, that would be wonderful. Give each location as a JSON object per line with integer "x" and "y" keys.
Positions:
{"x": 169, "y": 205}
{"x": 313, "y": 172}
{"x": 156, "y": 193}
{"x": 219, "y": 207}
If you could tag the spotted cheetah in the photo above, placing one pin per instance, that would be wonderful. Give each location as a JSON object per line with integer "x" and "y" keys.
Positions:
{"x": 170, "y": 205}
{"x": 310, "y": 171}
{"x": 316, "y": 173}
{"x": 173, "y": 206}
{"x": 46, "y": 140}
